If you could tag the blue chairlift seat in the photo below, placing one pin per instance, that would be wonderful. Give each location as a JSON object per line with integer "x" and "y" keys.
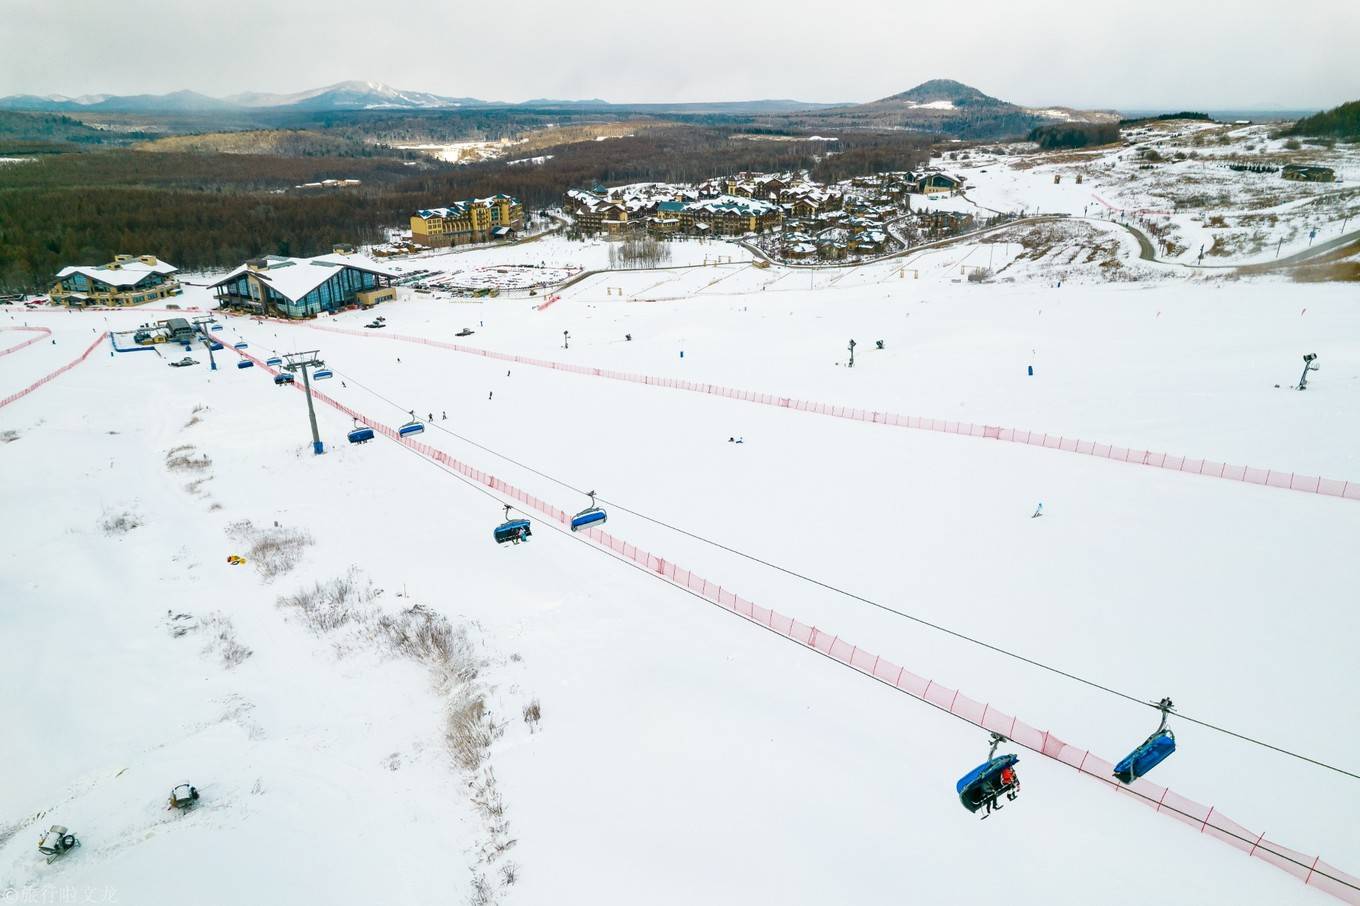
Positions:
{"x": 360, "y": 434}
{"x": 515, "y": 531}
{"x": 245, "y": 363}
{"x": 984, "y": 782}
{"x": 215, "y": 326}
{"x": 1146, "y": 757}
{"x": 323, "y": 374}
{"x": 214, "y": 345}
{"x": 273, "y": 361}
{"x": 410, "y": 428}
{"x": 284, "y": 378}
{"x": 588, "y": 517}
{"x": 240, "y": 346}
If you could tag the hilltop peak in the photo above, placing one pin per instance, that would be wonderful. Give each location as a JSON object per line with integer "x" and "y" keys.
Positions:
{"x": 944, "y": 90}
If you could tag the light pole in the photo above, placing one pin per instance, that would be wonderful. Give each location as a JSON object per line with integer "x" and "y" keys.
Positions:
{"x": 301, "y": 361}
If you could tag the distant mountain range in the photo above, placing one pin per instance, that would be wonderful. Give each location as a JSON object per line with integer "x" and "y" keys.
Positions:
{"x": 939, "y": 106}
{"x": 340, "y": 96}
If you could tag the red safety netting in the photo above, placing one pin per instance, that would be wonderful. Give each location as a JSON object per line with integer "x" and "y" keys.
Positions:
{"x": 42, "y": 334}
{"x": 1275, "y": 478}
{"x": 60, "y": 371}
{"x": 1310, "y": 869}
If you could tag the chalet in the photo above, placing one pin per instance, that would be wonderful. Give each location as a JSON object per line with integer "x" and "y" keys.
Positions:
{"x": 868, "y": 242}
{"x": 1305, "y": 173}
{"x": 938, "y": 183}
{"x": 305, "y": 287}
{"x": 472, "y": 220}
{"x": 123, "y": 281}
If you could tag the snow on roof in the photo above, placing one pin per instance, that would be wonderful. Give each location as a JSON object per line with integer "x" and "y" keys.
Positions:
{"x": 294, "y": 278}
{"x": 120, "y": 273}
{"x": 733, "y": 204}
{"x": 459, "y": 208}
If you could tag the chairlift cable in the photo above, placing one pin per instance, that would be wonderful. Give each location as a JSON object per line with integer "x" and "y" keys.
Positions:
{"x": 1256, "y": 843}
{"x": 1208, "y": 725}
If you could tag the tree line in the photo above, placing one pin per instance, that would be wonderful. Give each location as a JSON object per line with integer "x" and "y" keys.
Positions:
{"x": 209, "y": 211}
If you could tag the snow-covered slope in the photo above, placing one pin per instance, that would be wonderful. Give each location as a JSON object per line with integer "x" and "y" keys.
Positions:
{"x": 682, "y": 754}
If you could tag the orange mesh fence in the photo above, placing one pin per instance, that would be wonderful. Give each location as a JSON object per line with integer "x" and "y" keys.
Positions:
{"x": 19, "y": 394}
{"x": 1275, "y": 478}
{"x": 1207, "y": 820}
{"x": 42, "y": 334}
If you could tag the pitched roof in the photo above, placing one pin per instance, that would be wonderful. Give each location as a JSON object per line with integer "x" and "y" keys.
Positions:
{"x": 120, "y": 273}
{"x": 294, "y": 278}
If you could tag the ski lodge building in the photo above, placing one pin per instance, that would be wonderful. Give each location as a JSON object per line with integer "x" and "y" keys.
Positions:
{"x": 123, "y": 281}
{"x": 305, "y": 287}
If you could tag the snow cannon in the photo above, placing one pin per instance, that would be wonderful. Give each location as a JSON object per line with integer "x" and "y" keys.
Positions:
{"x": 184, "y": 796}
{"x": 57, "y": 842}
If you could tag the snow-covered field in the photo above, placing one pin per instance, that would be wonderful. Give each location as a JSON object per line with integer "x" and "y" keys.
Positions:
{"x": 1175, "y": 180}
{"x": 558, "y": 253}
{"x": 682, "y": 755}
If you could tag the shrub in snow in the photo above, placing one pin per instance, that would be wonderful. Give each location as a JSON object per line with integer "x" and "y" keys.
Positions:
{"x": 272, "y": 551}
{"x": 119, "y": 523}
{"x": 182, "y": 459}
{"x": 221, "y": 639}
{"x": 533, "y": 713}
{"x": 327, "y": 606}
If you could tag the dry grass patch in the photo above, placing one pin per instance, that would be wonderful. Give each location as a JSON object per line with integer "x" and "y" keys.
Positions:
{"x": 185, "y": 458}
{"x": 112, "y": 523}
{"x": 272, "y": 551}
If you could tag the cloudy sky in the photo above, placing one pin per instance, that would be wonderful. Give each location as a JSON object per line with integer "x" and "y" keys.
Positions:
{"x": 1151, "y": 54}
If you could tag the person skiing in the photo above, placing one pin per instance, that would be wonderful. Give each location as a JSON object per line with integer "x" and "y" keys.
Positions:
{"x": 446, "y": 415}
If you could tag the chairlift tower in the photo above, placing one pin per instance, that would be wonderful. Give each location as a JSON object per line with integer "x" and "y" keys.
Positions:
{"x": 301, "y": 361}
{"x": 202, "y": 325}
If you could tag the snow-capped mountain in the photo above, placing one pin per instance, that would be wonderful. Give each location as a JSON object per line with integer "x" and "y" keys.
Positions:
{"x": 351, "y": 95}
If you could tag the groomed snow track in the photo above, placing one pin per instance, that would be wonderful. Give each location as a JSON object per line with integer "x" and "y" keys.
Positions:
{"x": 42, "y": 333}
{"x": 1275, "y": 478}
{"x": 19, "y": 394}
{"x": 1311, "y": 870}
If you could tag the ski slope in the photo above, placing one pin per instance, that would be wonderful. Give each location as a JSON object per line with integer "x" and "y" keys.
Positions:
{"x": 684, "y": 754}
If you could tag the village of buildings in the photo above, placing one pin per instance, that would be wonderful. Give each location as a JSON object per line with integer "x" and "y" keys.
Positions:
{"x": 783, "y": 216}
{"x": 786, "y": 219}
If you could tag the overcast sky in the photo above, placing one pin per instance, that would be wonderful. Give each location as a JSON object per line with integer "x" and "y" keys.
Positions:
{"x": 1149, "y": 54}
